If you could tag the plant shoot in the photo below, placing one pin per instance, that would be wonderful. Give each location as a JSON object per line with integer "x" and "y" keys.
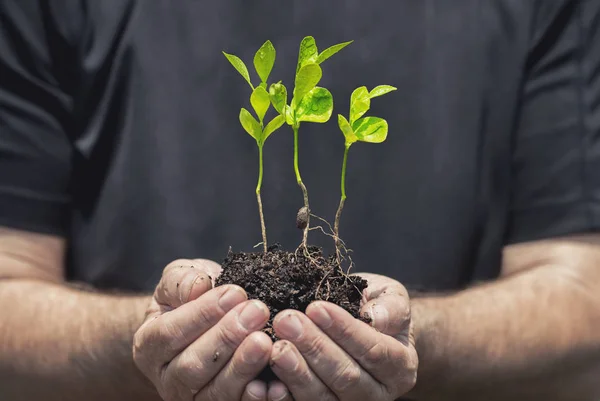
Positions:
{"x": 264, "y": 59}
{"x": 310, "y": 103}
{"x": 358, "y": 128}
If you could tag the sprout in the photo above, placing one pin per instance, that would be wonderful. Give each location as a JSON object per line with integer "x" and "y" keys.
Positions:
{"x": 359, "y": 128}
{"x": 264, "y": 59}
{"x": 310, "y": 103}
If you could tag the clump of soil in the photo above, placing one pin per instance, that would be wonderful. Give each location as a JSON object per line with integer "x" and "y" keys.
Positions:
{"x": 292, "y": 280}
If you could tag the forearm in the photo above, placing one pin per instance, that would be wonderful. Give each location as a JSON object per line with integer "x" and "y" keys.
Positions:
{"x": 532, "y": 336}
{"x": 58, "y": 343}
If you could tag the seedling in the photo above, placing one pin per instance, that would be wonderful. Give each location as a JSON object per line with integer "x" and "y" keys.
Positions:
{"x": 358, "y": 128}
{"x": 310, "y": 103}
{"x": 264, "y": 59}
{"x": 279, "y": 278}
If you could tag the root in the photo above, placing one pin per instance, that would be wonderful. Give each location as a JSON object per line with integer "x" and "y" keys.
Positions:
{"x": 321, "y": 284}
{"x": 343, "y": 254}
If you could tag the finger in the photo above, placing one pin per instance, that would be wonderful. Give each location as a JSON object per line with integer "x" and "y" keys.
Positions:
{"x": 389, "y": 361}
{"x": 338, "y": 370}
{"x": 378, "y": 285}
{"x": 256, "y": 390}
{"x": 199, "y": 363}
{"x": 182, "y": 281}
{"x": 279, "y": 392}
{"x": 291, "y": 368}
{"x": 247, "y": 362}
{"x": 213, "y": 269}
{"x": 164, "y": 337}
{"x": 389, "y": 314}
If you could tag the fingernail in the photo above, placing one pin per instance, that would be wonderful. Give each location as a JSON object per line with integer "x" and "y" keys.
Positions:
{"x": 277, "y": 392}
{"x": 186, "y": 286}
{"x": 321, "y": 317}
{"x": 256, "y": 389}
{"x": 252, "y": 316}
{"x": 254, "y": 353}
{"x": 379, "y": 317}
{"x": 286, "y": 358}
{"x": 230, "y": 298}
{"x": 290, "y": 326}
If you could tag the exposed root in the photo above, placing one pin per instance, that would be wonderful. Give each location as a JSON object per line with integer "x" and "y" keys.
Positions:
{"x": 321, "y": 284}
{"x": 331, "y": 232}
{"x": 342, "y": 254}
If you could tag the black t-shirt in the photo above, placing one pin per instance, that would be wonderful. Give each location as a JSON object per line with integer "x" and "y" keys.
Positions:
{"x": 119, "y": 130}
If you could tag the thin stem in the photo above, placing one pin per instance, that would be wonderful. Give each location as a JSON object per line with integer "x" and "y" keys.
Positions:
{"x": 338, "y": 214}
{"x": 302, "y": 186}
{"x": 259, "y": 200}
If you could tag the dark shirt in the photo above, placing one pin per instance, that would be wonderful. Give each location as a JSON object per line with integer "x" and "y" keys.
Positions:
{"x": 119, "y": 131}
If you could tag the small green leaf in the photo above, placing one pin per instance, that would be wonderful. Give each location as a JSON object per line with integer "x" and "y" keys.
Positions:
{"x": 273, "y": 126}
{"x": 239, "y": 65}
{"x": 308, "y": 52}
{"x": 325, "y": 54}
{"x": 264, "y": 60}
{"x": 346, "y": 129}
{"x": 306, "y": 79}
{"x": 360, "y": 102}
{"x": 250, "y": 124}
{"x": 381, "y": 90}
{"x": 278, "y": 95}
{"x": 371, "y": 129}
{"x": 289, "y": 116}
{"x": 260, "y": 101}
{"x": 316, "y": 106}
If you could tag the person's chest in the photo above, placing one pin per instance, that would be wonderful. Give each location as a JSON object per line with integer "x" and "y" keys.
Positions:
{"x": 178, "y": 171}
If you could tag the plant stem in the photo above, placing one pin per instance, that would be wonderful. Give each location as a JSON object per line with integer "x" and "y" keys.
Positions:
{"x": 259, "y": 200}
{"x": 338, "y": 214}
{"x": 301, "y": 184}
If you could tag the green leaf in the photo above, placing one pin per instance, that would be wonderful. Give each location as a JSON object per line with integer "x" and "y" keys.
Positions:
{"x": 306, "y": 79}
{"x": 250, "y": 124}
{"x": 381, "y": 90}
{"x": 360, "y": 102}
{"x": 346, "y": 129}
{"x": 371, "y": 129}
{"x": 316, "y": 106}
{"x": 273, "y": 126}
{"x": 289, "y": 116}
{"x": 239, "y": 65}
{"x": 260, "y": 101}
{"x": 325, "y": 54}
{"x": 278, "y": 95}
{"x": 308, "y": 52}
{"x": 264, "y": 60}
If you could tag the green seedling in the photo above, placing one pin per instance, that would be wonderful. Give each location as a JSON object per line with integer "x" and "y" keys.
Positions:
{"x": 358, "y": 129}
{"x": 310, "y": 103}
{"x": 264, "y": 59}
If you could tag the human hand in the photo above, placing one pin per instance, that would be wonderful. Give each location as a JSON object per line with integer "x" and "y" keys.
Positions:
{"x": 326, "y": 354}
{"x": 199, "y": 343}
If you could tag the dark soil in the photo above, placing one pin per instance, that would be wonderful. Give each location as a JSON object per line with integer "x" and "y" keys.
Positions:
{"x": 288, "y": 280}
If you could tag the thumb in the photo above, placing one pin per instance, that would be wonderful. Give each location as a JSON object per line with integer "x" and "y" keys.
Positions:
{"x": 185, "y": 280}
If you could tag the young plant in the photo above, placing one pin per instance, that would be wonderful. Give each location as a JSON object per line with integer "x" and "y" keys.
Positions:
{"x": 264, "y": 59}
{"x": 310, "y": 103}
{"x": 358, "y": 128}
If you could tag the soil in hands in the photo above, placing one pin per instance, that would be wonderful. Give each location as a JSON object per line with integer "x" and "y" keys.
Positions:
{"x": 292, "y": 280}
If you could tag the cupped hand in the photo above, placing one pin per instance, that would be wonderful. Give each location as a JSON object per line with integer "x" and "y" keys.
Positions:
{"x": 327, "y": 354}
{"x": 199, "y": 343}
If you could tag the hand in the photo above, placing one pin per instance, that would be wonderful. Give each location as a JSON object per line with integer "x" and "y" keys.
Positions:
{"x": 329, "y": 355}
{"x": 199, "y": 343}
